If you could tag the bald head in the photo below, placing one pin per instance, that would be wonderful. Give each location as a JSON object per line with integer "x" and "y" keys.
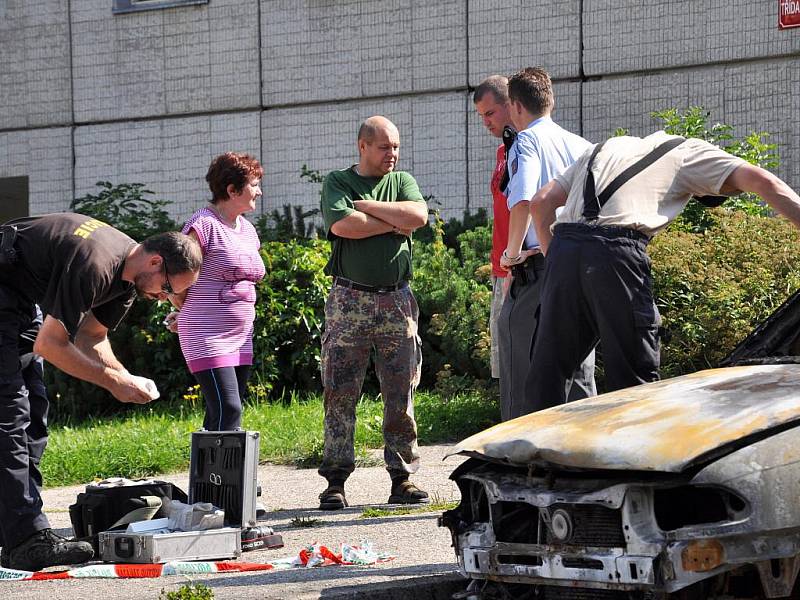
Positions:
{"x": 373, "y": 125}
{"x": 378, "y": 146}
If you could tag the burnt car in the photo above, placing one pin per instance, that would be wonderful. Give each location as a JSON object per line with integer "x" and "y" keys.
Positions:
{"x": 684, "y": 488}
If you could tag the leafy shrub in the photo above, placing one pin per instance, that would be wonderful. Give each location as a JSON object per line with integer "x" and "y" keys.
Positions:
{"x": 289, "y": 316}
{"x": 713, "y": 287}
{"x": 291, "y": 222}
{"x": 454, "y": 297}
{"x": 126, "y": 207}
{"x": 452, "y": 228}
{"x": 452, "y": 286}
{"x": 716, "y": 272}
{"x": 188, "y": 591}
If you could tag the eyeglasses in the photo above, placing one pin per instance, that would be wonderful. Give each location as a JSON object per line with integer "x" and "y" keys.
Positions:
{"x": 166, "y": 287}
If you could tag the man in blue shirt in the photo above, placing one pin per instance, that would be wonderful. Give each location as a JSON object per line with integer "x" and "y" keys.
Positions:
{"x": 541, "y": 150}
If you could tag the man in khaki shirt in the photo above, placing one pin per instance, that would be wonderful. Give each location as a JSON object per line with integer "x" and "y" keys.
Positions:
{"x": 598, "y": 285}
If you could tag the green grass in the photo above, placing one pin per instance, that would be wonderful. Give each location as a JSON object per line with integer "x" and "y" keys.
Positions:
{"x": 304, "y": 522}
{"x": 155, "y": 441}
{"x": 188, "y": 591}
{"x": 371, "y": 513}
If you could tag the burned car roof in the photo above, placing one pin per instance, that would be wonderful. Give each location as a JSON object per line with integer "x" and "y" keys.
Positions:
{"x": 665, "y": 426}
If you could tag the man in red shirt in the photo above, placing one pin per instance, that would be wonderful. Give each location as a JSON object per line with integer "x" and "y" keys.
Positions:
{"x": 492, "y": 105}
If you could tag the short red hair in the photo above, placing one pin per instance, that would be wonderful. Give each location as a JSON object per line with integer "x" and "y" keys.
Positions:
{"x": 231, "y": 168}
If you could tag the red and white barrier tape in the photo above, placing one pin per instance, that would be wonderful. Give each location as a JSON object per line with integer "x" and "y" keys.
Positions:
{"x": 315, "y": 555}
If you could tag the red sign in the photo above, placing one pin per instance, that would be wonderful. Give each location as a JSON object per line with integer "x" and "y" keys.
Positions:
{"x": 788, "y": 14}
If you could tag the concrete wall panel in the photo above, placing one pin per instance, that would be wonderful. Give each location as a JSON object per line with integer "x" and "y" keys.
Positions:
{"x": 34, "y": 64}
{"x": 631, "y": 35}
{"x": 170, "y": 156}
{"x": 750, "y": 97}
{"x": 161, "y": 62}
{"x": 508, "y": 36}
{"x": 326, "y": 50}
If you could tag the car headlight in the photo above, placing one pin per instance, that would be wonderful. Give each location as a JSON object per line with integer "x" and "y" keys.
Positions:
{"x": 689, "y": 505}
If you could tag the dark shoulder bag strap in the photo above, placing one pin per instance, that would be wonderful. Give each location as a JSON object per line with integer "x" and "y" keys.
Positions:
{"x": 592, "y": 204}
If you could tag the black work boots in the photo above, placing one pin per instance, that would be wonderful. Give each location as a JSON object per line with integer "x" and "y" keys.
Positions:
{"x": 45, "y": 549}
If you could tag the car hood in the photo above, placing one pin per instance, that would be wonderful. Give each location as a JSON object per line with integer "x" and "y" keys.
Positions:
{"x": 665, "y": 426}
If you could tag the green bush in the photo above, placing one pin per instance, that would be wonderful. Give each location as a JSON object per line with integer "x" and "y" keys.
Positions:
{"x": 452, "y": 286}
{"x": 713, "y": 287}
{"x": 716, "y": 273}
{"x": 127, "y": 207}
{"x": 289, "y": 316}
{"x": 188, "y": 591}
{"x": 454, "y": 297}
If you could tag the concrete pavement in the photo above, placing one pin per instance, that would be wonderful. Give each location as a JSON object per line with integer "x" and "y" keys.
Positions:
{"x": 422, "y": 549}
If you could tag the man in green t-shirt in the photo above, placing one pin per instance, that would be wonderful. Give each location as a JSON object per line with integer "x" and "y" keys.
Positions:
{"x": 370, "y": 211}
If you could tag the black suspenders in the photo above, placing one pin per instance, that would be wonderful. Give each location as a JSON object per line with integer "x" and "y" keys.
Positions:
{"x": 593, "y": 203}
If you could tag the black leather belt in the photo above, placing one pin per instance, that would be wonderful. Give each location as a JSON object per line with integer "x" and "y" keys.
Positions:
{"x": 379, "y": 289}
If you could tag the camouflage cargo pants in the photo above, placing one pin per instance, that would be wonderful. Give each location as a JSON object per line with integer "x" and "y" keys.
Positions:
{"x": 357, "y": 323}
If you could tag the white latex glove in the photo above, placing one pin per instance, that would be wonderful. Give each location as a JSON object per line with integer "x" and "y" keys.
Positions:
{"x": 171, "y": 321}
{"x": 149, "y": 385}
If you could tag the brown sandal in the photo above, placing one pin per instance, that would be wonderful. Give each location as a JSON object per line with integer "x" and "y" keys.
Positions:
{"x": 406, "y": 492}
{"x": 332, "y": 498}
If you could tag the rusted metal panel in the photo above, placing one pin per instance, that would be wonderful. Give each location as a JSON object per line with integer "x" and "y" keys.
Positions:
{"x": 663, "y": 426}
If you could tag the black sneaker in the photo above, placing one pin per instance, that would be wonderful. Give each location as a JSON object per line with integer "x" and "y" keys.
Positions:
{"x": 45, "y": 549}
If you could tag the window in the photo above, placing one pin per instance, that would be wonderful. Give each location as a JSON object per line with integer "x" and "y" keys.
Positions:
{"x": 127, "y": 6}
{"x": 14, "y": 201}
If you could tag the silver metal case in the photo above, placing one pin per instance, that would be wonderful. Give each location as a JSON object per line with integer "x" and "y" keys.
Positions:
{"x": 147, "y": 548}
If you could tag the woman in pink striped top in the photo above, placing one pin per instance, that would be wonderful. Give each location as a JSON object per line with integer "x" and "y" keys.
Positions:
{"x": 215, "y": 322}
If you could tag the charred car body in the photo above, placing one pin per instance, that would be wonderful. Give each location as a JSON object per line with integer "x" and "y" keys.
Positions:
{"x": 684, "y": 488}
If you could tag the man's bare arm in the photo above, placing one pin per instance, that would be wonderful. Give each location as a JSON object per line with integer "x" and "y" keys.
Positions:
{"x": 773, "y": 190}
{"x": 359, "y": 225}
{"x": 518, "y": 223}
{"x": 543, "y": 209}
{"x": 407, "y": 215}
{"x": 92, "y": 341}
{"x": 52, "y": 344}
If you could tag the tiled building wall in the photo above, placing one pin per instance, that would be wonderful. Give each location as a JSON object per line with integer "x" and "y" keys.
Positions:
{"x": 621, "y": 36}
{"x": 151, "y": 97}
{"x": 170, "y": 156}
{"x": 34, "y": 64}
{"x": 164, "y": 62}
